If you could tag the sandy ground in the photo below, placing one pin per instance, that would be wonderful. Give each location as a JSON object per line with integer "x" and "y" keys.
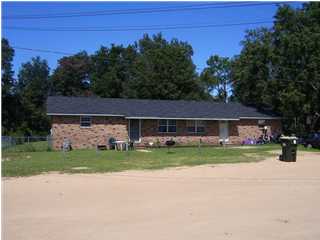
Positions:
{"x": 265, "y": 200}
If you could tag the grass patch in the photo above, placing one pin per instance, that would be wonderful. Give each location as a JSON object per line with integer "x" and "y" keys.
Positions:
{"x": 39, "y": 146}
{"x": 20, "y": 163}
{"x": 90, "y": 161}
{"x": 304, "y": 149}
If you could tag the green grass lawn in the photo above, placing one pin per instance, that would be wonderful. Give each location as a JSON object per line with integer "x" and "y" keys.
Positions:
{"x": 40, "y": 146}
{"x": 20, "y": 163}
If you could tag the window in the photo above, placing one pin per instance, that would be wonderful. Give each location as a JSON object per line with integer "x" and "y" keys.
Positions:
{"x": 85, "y": 121}
{"x": 191, "y": 126}
{"x": 162, "y": 125}
{"x": 167, "y": 126}
{"x": 261, "y": 123}
{"x": 200, "y": 126}
{"x": 195, "y": 126}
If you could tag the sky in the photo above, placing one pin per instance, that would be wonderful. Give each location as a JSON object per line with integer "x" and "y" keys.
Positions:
{"x": 224, "y": 41}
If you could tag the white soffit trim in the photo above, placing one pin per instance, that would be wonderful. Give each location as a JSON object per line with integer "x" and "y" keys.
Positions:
{"x": 117, "y": 115}
{"x": 156, "y": 118}
{"x": 84, "y": 114}
{"x": 266, "y": 118}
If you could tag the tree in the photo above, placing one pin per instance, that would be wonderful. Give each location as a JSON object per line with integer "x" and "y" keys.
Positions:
{"x": 6, "y": 67}
{"x": 297, "y": 65}
{"x": 33, "y": 86}
{"x": 216, "y": 77}
{"x": 164, "y": 70}
{"x": 251, "y": 70}
{"x": 151, "y": 68}
{"x": 71, "y": 77}
{"x": 111, "y": 70}
{"x": 9, "y": 99}
{"x": 279, "y": 67}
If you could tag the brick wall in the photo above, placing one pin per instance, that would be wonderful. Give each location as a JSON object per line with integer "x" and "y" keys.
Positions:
{"x": 104, "y": 127}
{"x": 249, "y": 128}
{"x": 238, "y": 131}
{"x": 101, "y": 129}
{"x": 150, "y": 133}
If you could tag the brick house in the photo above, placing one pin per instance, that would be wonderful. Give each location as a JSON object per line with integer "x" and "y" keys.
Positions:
{"x": 91, "y": 121}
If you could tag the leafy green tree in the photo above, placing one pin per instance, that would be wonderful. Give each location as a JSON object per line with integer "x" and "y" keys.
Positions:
{"x": 279, "y": 68}
{"x": 7, "y": 55}
{"x": 164, "y": 70}
{"x": 217, "y": 77}
{"x": 71, "y": 77}
{"x": 152, "y": 68}
{"x": 251, "y": 70}
{"x": 33, "y": 86}
{"x": 9, "y": 99}
{"x": 297, "y": 65}
{"x": 111, "y": 70}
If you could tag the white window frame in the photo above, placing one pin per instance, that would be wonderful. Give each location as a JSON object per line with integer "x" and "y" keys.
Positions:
{"x": 88, "y": 121}
{"x": 167, "y": 125}
{"x": 196, "y": 125}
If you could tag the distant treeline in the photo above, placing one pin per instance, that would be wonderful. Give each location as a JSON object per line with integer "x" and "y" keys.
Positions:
{"x": 277, "y": 69}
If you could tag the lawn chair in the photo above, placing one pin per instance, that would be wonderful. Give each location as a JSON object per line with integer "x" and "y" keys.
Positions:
{"x": 66, "y": 145}
{"x": 170, "y": 143}
{"x": 131, "y": 145}
{"x": 111, "y": 143}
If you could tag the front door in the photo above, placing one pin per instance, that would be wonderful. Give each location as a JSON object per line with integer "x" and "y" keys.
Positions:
{"x": 134, "y": 130}
{"x": 223, "y": 131}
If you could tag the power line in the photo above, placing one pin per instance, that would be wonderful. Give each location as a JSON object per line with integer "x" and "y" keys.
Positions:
{"x": 42, "y": 50}
{"x": 135, "y": 28}
{"x": 136, "y": 11}
{"x": 141, "y": 10}
{"x": 107, "y": 11}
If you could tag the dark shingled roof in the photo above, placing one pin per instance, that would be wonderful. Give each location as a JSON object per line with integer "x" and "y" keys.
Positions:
{"x": 131, "y": 108}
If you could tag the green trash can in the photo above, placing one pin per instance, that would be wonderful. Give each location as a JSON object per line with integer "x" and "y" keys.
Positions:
{"x": 289, "y": 149}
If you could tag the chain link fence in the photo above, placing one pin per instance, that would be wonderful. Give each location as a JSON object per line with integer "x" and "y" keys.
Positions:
{"x": 26, "y": 144}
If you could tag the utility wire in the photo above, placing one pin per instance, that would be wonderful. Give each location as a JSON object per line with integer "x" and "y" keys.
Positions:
{"x": 134, "y": 28}
{"x": 111, "y": 11}
{"x": 42, "y": 50}
{"x": 142, "y": 10}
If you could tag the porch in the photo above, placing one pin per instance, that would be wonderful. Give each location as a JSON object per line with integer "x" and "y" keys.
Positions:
{"x": 184, "y": 131}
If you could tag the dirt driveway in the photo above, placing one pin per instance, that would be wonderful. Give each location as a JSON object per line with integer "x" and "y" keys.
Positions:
{"x": 265, "y": 200}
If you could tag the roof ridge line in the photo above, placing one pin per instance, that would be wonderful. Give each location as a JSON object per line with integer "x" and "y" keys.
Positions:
{"x": 145, "y": 99}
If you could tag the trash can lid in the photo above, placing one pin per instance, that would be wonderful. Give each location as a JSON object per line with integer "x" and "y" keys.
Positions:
{"x": 289, "y": 138}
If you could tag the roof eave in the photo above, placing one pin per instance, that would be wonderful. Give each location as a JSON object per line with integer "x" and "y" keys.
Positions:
{"x": 85, "y": 114}
{"x": 155, "y": 117}
{"x": 184, "y": 118}
{"x": 262, "y": 118}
